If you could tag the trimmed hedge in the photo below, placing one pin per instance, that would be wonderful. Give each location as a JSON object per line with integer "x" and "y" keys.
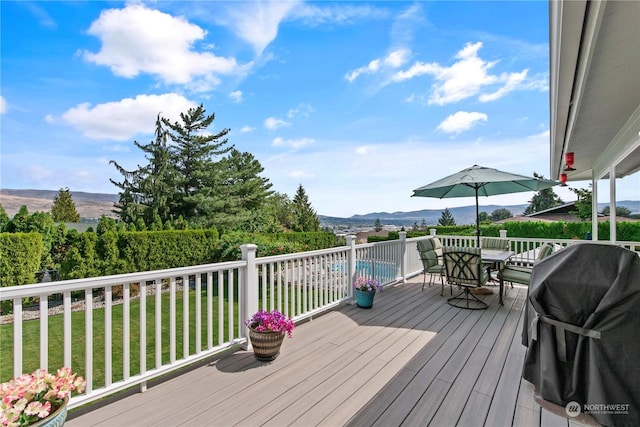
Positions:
{"x": 20, "y": 255}
{"x": 626, "y": 231}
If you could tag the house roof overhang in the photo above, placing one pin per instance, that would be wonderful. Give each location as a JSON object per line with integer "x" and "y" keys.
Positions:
{"x": 595, "y": 87}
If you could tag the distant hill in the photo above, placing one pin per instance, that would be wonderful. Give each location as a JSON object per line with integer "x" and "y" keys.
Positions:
{"x": 94, "y": 205}
{"x": 88, "y": 205}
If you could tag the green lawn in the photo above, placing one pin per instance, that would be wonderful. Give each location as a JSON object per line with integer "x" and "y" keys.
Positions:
{"x": 31, "y": 337}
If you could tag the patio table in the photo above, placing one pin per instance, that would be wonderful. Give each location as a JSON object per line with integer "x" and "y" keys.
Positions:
{"x": 499, "y": 257}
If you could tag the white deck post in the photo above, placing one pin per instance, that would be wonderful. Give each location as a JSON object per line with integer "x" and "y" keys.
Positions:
{"x": 403, "y": 255}
{"x": 249, "y": 289}
{"x": 351, "y": 242}
{"x": 503, "y": 234}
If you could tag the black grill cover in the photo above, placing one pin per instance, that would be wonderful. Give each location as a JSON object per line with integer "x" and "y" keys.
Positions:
{"x": 588, "y": 294}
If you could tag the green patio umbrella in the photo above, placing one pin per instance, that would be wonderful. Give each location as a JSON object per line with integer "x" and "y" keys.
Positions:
{"x": 480, "y": 181}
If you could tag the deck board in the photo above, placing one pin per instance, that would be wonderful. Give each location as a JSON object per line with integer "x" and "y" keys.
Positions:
{"x": 411, "y": 360}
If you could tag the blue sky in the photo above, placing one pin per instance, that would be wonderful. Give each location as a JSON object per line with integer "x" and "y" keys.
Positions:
{"x": 360, "y": 102}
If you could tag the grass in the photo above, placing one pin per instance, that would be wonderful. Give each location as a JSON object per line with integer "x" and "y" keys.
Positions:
{"x": 31, "y": 337}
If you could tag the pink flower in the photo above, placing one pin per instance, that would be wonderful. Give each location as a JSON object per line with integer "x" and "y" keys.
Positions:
{"x": 38, "y": 408}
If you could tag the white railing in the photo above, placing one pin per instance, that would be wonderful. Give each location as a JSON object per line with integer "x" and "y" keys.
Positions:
{"x": 138, "y": 326}
{"x": 142, "y": 325}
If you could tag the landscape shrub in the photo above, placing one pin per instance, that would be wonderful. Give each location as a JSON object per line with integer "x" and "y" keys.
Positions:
{"x": 20, "y": 255}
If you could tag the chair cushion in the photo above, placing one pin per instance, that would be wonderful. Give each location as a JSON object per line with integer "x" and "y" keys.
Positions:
{"x": 494, "y": 243}
{"x": 516, "y": 274}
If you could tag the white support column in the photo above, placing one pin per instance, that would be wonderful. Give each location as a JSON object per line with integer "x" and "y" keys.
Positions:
{"x": 612, "y": 204}
{"x": 403, "y": 255}
{"x": 351, "y": 242}
{"x": 503, "y": 234}
{"x": 594, "y": 208}
{"x": 249, "y": 292}
{"x": 432, "y": 232}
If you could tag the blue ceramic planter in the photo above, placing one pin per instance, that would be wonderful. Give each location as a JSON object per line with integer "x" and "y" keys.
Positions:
{"x": 364, "y": 299}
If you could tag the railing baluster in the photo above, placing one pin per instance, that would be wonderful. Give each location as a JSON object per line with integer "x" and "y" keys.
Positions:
{"x": 17, "y": 337}
{"x": 67, "y": 327}
{"x": 143, "y": 326}
{"x": 230, "y": 285}
{"x": 88, "y": 344}
{"x": 172, "y": 319}
{"x": 108, "y": 362}
{"x": 198, "y": 293}
{"x": 220, "y": 307}
{"x": 186, "y": 285}
{"x": 44, "y": 332}
{"x": 158, "y": 313}
{"x": 209, "y": 310}
{"x": 126, "y": 333}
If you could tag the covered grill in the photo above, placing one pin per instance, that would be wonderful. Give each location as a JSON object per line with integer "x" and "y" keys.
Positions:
{"x": 582, "y": 330}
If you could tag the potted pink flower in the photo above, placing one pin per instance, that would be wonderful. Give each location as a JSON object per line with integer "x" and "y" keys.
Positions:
{"x": 365, "y": 290}
{"x": 30, "y": 398}
{"x": 266, "y": 332}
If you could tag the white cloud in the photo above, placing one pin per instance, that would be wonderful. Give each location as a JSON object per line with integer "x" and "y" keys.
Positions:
{"x": 3, "y": 105}
{"x": 461, "y": 121}
{"x": 292, "y": 143}
{"x": 246, "y": 129}
{"x": 302, "y": 109}
{"x": 124, "y": 119}
{"x": 256, "y": 22}
{"x": 297, "y": 174}
{"x": 511, "y": 81}
{"x": 137, "y": 40}
{"x": 236, "y": 96}
{"x": 467, "y": 77}
{"x": 317, "y": 14}
{"x": 273, "y": 123}
{"x": 394, "y": 59}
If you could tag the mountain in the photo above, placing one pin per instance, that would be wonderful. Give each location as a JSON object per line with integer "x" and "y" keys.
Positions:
{"x": 94, "y": 205}
{"x": 88, "y": 205}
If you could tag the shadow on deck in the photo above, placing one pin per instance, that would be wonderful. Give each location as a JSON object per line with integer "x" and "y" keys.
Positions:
{"x": 410, "y": 360}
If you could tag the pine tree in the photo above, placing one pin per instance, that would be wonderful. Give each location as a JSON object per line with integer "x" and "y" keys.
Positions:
{"x": 542, "y": 200}
{"x": 64, "y": 208}
{"x": 446, "y": 218}
{"x": 193, "y": 155}
{"x": 149, "y": 190}
{"x": 583, "y": 205}
{"x": 377, "y": 226}
{"x": 306, "y": 218}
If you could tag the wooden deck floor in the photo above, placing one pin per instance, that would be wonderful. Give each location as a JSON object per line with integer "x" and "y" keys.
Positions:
{"x": 411, "y": 360}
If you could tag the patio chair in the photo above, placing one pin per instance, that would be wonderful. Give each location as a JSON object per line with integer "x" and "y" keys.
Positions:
{"x": 463, "y": 267}
{"x": 519, "y": 274}
{"x": 497, "y": 243}
{"x": 430, "y": 251}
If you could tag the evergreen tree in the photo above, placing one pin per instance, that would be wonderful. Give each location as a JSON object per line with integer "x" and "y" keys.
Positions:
{"x": 64, "y": 208}
{"x": 377, "y": 226}
{"x": 446, "y": 218}
{"x": 193, "y": 154}
{"x": 500, "y": 214}
{"x": 306, "y": 218}
{"x": 237, "y": 193}
{"x": 583, "y": 204}
{"x": 542, "y": 200}
{"x": 149, "y": 190}
{"x": 20, "y": 221}
{"x": 621, "y": 211}
{"x": 4, "y": 220}
{"x": 483, "y": 217}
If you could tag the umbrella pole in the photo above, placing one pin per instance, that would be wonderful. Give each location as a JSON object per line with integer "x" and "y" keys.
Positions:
{"x": 477, "y": 220}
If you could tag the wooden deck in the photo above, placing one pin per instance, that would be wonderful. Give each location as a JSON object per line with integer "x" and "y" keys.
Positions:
{"x": 411, "y": 360}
